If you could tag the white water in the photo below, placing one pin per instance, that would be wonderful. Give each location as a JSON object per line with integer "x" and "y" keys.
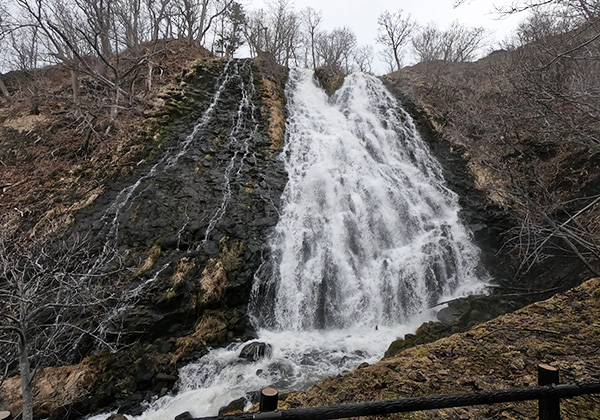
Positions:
{"x": 246, "y": 115}
{"x": 369, "y": 234}
{"x": 368, "y": 239}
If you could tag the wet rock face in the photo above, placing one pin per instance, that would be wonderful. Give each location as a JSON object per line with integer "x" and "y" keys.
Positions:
{"x": 193, "y": 221}
{"x": 255, "y": 351}
{"x": 460, "y": 315}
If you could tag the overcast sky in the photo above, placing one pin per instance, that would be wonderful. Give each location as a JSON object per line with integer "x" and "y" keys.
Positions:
{"x": 361, "y": 16}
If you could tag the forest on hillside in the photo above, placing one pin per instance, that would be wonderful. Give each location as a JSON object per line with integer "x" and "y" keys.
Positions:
{"x": 114, "y": 44}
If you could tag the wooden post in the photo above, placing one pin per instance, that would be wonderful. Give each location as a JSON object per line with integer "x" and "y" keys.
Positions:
{"x": 549, "y": 408}
{"x": 268, "y": 400}
{"x": 6, "y": 415}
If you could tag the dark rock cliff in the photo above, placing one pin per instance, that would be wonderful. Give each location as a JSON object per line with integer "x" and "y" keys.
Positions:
{"x": 195, "y": 217}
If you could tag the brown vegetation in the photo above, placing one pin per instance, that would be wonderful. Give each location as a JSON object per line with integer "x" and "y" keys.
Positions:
{"x": 527, "y": 123}
{"x": 55, "y": 162}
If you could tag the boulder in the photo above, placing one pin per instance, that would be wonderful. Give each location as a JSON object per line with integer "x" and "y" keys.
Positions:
{"x": 117, "y": 417}
{"x": 255, "y": 351}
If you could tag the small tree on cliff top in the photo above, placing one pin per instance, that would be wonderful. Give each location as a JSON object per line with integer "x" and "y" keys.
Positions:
{"x": 395, "y": 31}
{"x": 455, "y": 44}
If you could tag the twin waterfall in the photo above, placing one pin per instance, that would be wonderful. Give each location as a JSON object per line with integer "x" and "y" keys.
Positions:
{"x": 368, "y": 240}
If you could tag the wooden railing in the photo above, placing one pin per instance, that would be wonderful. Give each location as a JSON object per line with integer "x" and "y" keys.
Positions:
{"x": 549, "y": 392}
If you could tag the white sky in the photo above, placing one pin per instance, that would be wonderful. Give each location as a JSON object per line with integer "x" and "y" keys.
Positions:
{"x": 361, "y": 16}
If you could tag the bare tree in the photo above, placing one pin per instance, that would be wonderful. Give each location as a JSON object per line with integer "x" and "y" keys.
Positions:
{"x": 51, "y": 305}
{"x": 457, "y": 43}
{"x": 275, "y": 31}
{"x": 190, "y": 12}
{"x": 132, "y": 22}
{"x": 540, "y": 25}
{"x": 363, "y": 58}
{"x": 88, "y": 37}
{"x": 284, "y": 32}
{"x": 395, "y": 31}
{"x": 311, "y": 20}
{"x": 578, "y": 11}
{"x": 256, "y": 32}
{"x": 69, "y": 40}
{"x": 335, "y": 49}
{"x": 5, "y": 27}
{"x": 99, "y": 28}
{"x": 426, "y": 43}
{"x": 158, "y": 12}
{"x": 196, "y": 17}
{"x": 558, "y": 78}
{"x": 4, "y": 21}
{"x": 23, "y": 45}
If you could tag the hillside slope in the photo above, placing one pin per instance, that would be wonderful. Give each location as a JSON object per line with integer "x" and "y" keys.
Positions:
{"x": 526, "y": 136}
{"x": 181, "y": 191}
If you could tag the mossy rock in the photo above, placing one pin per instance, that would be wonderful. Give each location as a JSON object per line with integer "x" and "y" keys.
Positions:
{"x": 330, "y": 79}
{"x": 426, "y": 333}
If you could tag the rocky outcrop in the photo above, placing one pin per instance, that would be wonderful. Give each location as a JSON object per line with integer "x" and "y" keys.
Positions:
{"x": 458, "y": 316}
{"x": 255, "y": 351}
{"x": 330, "y": 79}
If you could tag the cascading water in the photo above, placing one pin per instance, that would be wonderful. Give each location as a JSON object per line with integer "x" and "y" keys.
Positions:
{"x": 368, "y": 240}
{"x": 369, "y": 235}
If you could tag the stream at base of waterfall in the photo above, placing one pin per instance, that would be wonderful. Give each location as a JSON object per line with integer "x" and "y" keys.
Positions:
{"x": 369, "y": 240}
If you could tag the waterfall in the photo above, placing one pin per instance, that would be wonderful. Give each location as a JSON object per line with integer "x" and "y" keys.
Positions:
{"x": 369, "y": 235}
{"x": 369, "y": 239}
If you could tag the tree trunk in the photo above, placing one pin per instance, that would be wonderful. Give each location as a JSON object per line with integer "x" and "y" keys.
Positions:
{"x": 312, "y": 49}
{"x": 26, "y": 386}
{"x": 4, "y": 90}
{"x": 397, "y": 58}
{"x": 149, "y": 77}
{"x": 114, "y": 110}
{"x": 35, "y": 99}
{"x": 202, "y": 21}
{"x": 75, "y": 85}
